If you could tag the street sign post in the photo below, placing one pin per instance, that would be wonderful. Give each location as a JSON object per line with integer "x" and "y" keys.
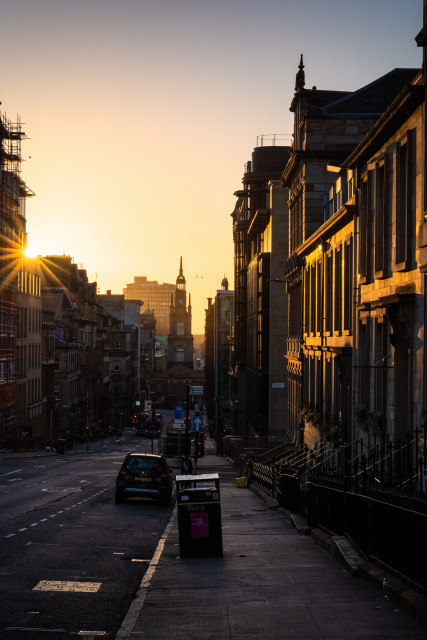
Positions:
{"x": 196, "y": 391}
{"x": 197, "y": 423}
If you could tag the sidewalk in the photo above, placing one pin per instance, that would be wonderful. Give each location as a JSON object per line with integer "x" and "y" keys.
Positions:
{"x": 272, "y": 583}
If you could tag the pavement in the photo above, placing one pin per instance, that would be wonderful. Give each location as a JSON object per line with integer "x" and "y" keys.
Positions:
{"x": 277, "y": 579}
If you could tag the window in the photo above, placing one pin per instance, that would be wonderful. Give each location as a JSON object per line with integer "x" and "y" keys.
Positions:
{"x": 179, "y": 328}
{"x": 328, "y": 293}
{"x": 338, "y": 290}
{"x": 381, "y": 218}
{"x": 180, "y": 355}
{"x": 116, "y": 345}
{"x": 313, "y": 298}
{"x": 348, "y": 281}
{"x": 365, "y": 245}
{"x": 319, "y": 296}
{"x": 404, "y": 194}
{"x": 116, "y": 365}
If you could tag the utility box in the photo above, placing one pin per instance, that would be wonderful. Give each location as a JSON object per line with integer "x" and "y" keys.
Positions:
{"x": 199, "y": 515}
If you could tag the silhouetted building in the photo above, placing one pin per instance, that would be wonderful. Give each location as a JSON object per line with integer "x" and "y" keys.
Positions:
{"x": 252, "y": 239}
{"x": 14, "y": 278}
{"x": 180, "y": 338}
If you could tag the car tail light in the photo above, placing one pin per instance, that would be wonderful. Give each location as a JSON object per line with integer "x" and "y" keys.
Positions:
{"x": 121, "y": 476}
{"x": 165, "y": 481}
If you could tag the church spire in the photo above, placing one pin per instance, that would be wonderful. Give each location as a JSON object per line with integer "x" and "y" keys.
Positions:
{"x": 300, "y": 77}
{"x": 180, "y": 281}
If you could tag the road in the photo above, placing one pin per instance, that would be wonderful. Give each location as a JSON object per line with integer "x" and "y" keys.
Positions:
{"x": 71, "y": 560}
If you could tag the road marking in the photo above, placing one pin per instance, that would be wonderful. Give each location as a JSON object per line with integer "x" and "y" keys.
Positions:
{"x": 34, "y": 524}
{"x": 65, "y": 585}
{"x": 139, "y": 560}
{"x": 129, "y": 622}
{"x": 35, "y": 629}
{"x": 10, "y": 535}
{"x": 9, "y": 473}
{"x": 23, "y": 529}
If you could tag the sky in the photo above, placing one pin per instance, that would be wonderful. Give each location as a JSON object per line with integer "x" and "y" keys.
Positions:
{"x": 141, "y": 114}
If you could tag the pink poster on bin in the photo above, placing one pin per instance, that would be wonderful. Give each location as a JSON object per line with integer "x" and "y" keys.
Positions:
{"x": 200, "y": 525}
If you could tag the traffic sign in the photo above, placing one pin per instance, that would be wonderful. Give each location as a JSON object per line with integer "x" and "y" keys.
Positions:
{"x": 196, "y": 391}
{"x": 197, "y": 423}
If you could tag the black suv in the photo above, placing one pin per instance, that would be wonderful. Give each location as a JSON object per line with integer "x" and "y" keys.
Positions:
{"x": 144, "y": 475}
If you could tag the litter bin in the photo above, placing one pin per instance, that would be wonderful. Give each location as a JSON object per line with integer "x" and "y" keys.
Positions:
{"x": 60, "y": 445}
{"x": 199, "y": 515}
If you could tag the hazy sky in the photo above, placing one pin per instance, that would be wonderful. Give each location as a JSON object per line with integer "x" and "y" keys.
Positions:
{"x": 141, "y": 115}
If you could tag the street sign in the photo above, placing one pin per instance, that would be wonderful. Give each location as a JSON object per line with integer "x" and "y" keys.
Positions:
{"x": 178, "y": 412}
{"x": 197, "y": 423}
{"x": 196, "y": 391}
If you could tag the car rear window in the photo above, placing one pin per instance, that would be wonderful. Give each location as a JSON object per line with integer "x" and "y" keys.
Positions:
{"x": 143, "y": 464}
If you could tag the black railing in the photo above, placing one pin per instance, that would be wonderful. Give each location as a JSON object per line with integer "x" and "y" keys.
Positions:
{"x": 396, "y": 469}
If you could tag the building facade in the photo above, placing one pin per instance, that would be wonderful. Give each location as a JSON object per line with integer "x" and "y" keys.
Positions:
{"x": 77, "y": 372}
{"x": 29, "y": 392}
{"x": 253, "y": 272}
{"x": 13, "y": 277}
{"x": 389, "y": 361}
{"x": 219, "y": 321}
{"x": 122, "y": 327}
{"x": 155, "y": 297}
{"x": 320, "y": 271}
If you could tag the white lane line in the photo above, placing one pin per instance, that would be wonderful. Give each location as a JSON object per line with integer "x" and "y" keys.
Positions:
{"x": 10, "y": 535}
{"x": 23, "y": 529}
{"x": 38, "y": 629}
{"x": 34, "y": 524}
{"x": 9, "y": 473}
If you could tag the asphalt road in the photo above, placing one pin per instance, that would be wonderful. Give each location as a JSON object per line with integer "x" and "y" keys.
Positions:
{"x": 71, "y": 560}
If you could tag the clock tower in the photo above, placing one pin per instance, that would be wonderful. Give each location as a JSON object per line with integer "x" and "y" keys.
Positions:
{"x": 180, "y": 339}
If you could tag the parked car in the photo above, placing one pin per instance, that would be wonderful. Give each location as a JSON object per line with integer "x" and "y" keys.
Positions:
{"x": 144, "y": 475}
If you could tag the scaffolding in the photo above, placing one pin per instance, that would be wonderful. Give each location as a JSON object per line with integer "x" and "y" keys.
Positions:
{"x": 13, "y": 192}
